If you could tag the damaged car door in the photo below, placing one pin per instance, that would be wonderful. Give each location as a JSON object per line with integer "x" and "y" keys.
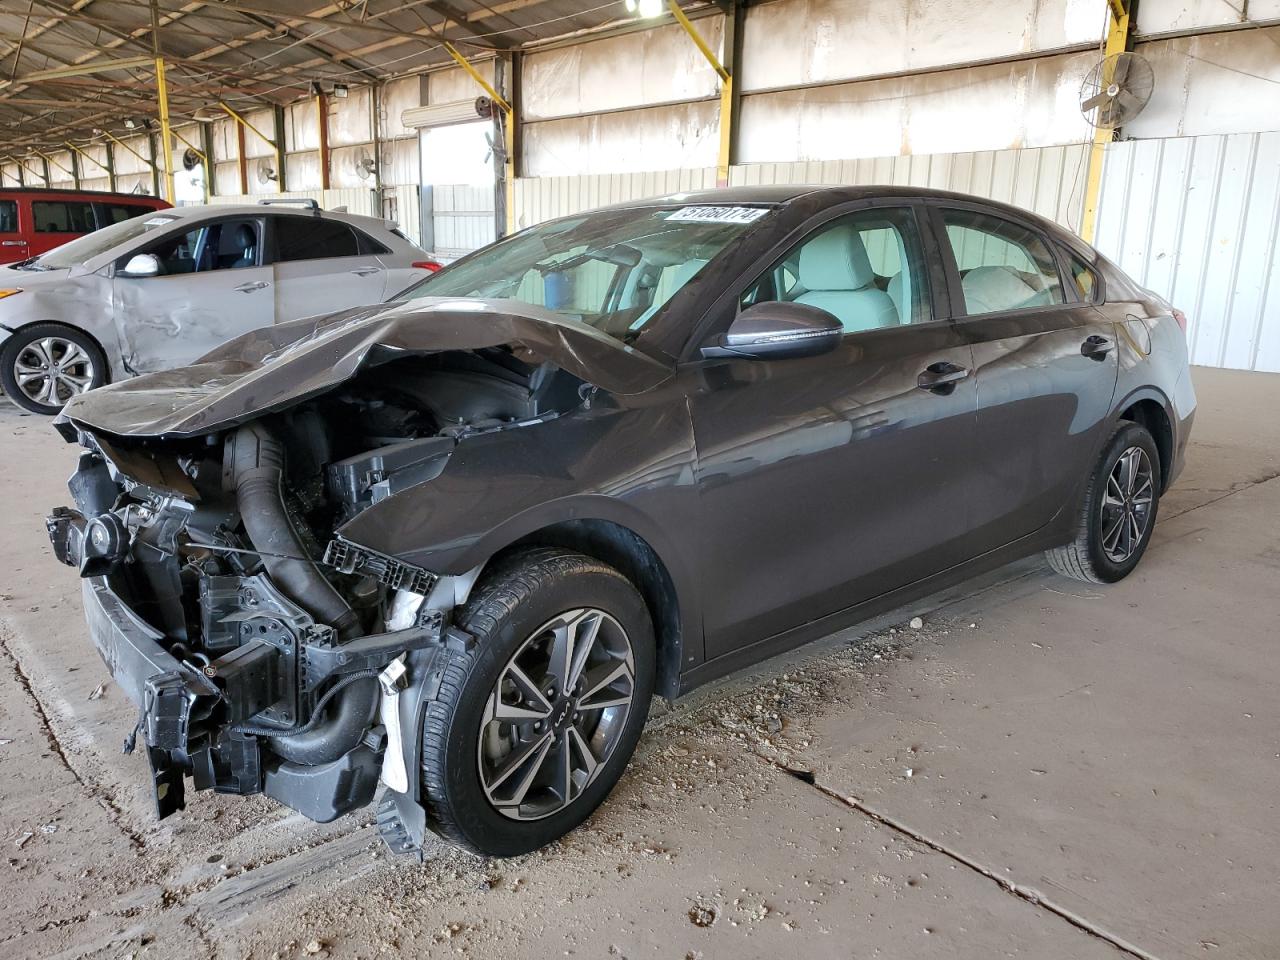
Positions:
{"x": 184, "y": 294}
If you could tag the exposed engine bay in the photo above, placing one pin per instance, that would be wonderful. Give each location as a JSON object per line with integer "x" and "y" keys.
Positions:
{"x": 266, "y": 653}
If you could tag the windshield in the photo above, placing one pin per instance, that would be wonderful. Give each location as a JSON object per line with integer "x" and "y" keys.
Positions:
{"x": 99, "y": 242}
{"x": 613, "y": 269}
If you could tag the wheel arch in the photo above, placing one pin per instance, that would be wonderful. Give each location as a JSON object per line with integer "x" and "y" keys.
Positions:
{"x": 621, "y": 536}
{"x": 1151, "y": 408}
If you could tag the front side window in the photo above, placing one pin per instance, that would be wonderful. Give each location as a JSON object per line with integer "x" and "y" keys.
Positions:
{"x": 1003, "y": 266}
{"x": 226, "y": 245}
{"x": 311, "y": 238}
{"x": 612, "y": 269}
{"x": 865, "y": 268}
{"x": 62, "y": 216}
{"x": 8, "y": 216}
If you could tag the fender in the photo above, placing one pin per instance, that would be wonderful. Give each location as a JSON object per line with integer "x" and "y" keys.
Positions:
{"x": 633, "y": 467}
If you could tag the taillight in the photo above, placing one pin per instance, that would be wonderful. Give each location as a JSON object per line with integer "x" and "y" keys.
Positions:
{"x": 427, "y": 265}
{"x": 1181, "y": 318}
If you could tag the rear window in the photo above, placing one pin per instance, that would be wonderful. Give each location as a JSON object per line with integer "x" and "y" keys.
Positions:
{"x": 311, "y": 238}
{"x": 119, "y": 212}
{"x": 8, "y": 216}
{"x": 63, "y": 216}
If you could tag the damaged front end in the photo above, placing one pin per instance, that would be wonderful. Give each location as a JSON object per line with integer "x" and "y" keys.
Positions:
{"x": 266, "y": 653}
{"x": 255, "y": 665}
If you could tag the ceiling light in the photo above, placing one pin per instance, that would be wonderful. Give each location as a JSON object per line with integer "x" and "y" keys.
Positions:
{"x": 340, "y": 90}
{"x": 646, "y": 8}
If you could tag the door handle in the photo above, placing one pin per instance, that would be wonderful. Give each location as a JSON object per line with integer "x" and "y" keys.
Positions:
{"x": 365, "y": 271}
{"x": 1096, "y": 347}
{"x": 13, "y": 243}
{"x": 941, "y": 377}
{"x": 252, "y": 286}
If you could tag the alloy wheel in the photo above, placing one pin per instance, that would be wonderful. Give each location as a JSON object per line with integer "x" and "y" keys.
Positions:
{"x": 1126, "y": 504}
{"x": 556, "y": 714}
{"x": 52, "y": 370}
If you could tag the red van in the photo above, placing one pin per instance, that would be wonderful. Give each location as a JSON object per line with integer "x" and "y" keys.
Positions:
{"x": 33, "y": 220}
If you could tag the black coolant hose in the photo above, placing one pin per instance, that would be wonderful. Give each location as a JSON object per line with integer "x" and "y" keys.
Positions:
{"x": 257, "y": 460}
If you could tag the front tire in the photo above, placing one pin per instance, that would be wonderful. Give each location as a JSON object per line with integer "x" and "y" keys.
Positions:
{"x": 46, "y": 364}
{"x": 533, "y": 727}
{"x": 1117, "y": 517}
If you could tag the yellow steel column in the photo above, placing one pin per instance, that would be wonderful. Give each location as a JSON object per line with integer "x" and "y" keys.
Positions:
{"x": 166, "y": 137}
{"x": 1117, "y": 41}
{"x": 726, "y": 92}
{"x": 322, "y": 117}
{"x": 48, "y": 159}
{"x": 246, "y": 125}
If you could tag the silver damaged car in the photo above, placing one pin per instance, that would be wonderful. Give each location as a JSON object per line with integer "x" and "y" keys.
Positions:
{"x": 156, "y": 292}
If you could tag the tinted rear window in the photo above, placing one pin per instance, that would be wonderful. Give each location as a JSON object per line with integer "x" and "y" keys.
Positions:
{"x": 119, "y": 212}
{"x": 311, "y": 238}
{"x": 62, "y": 216}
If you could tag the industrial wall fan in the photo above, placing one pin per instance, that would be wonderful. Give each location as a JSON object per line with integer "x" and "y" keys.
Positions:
{"x": 363, "y": 165}
{"x": 265, "y": 172}
{"x": 190, "y": 159}
{"x": 1116, "y": 90}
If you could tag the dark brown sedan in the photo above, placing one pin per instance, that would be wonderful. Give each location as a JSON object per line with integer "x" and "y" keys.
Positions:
{"x": 456, "y": 543}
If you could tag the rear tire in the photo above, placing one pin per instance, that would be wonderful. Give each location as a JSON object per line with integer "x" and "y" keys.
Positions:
{"x": 1115, "y": 522}
{"x": 506, "y": 699}
{"x": 44, "y": 365}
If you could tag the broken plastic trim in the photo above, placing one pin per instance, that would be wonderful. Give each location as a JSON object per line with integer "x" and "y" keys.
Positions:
{"x": 347, "y": 557}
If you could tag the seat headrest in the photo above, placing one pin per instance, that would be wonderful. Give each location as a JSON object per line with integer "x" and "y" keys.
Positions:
{"x": 994, "y": 288}
{"x": 836, "y": 260}
{"x": 244, "y": 238}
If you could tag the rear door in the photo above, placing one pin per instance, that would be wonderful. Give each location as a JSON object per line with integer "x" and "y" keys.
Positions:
{"x": 825, "y": 481}
{"x": 13, "y": 245}
{"x": 55, "y": 221}
{"x": 213, "y": 286}
{"x": 1045, "y": 365}
{"x": 322, "y": 266}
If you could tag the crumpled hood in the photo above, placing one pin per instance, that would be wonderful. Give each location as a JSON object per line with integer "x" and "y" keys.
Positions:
{"x": 276, "y": 367}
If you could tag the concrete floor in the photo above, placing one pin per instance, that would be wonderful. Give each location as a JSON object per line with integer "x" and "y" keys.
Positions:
{"x": 1045, "y": 770}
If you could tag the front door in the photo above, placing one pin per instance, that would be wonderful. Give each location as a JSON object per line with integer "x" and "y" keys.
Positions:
{"x": 1045, "y": 367}
{"x": 212, "y": 287}
{"x": 828, "y": 480}
{"x": 322, "y": 266}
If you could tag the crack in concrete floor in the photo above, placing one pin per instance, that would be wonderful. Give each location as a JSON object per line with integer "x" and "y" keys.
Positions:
{"x": 1021, "y": 891}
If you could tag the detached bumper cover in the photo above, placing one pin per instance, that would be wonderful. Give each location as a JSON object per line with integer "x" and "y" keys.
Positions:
{"x": 173, "y": 700}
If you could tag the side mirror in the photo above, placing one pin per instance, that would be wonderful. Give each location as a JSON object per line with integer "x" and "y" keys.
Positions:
{"x": 778, "y": 330}
{"x": 141, "y": 265}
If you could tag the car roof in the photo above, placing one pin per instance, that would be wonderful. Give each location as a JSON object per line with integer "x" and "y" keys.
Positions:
{"x": 259, "y": 209}
{"x": 87, "y": 194}
{"x": 783, "y": 194}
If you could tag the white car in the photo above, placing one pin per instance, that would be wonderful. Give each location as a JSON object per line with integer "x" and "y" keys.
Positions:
{"x": 159, "y": 291}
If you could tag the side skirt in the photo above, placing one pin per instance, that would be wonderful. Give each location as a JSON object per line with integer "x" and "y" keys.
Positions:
{"x": 754, "y": 653}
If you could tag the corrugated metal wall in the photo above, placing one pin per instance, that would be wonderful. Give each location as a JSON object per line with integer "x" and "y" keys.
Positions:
{"x": 356, "y": 200}
{"x": 463, "y": 218}
{"x": 1196, "y": 219}
{"x": 1048, "y": 180}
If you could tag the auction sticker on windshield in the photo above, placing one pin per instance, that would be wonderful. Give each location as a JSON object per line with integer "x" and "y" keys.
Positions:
{"x": 701, "y": 214}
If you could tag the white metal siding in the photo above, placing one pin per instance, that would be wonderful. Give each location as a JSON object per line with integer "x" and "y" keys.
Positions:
{"x": 463, "y": 218}
{"x": 545, "y": 198}
{"x": 1196, "y": 220}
